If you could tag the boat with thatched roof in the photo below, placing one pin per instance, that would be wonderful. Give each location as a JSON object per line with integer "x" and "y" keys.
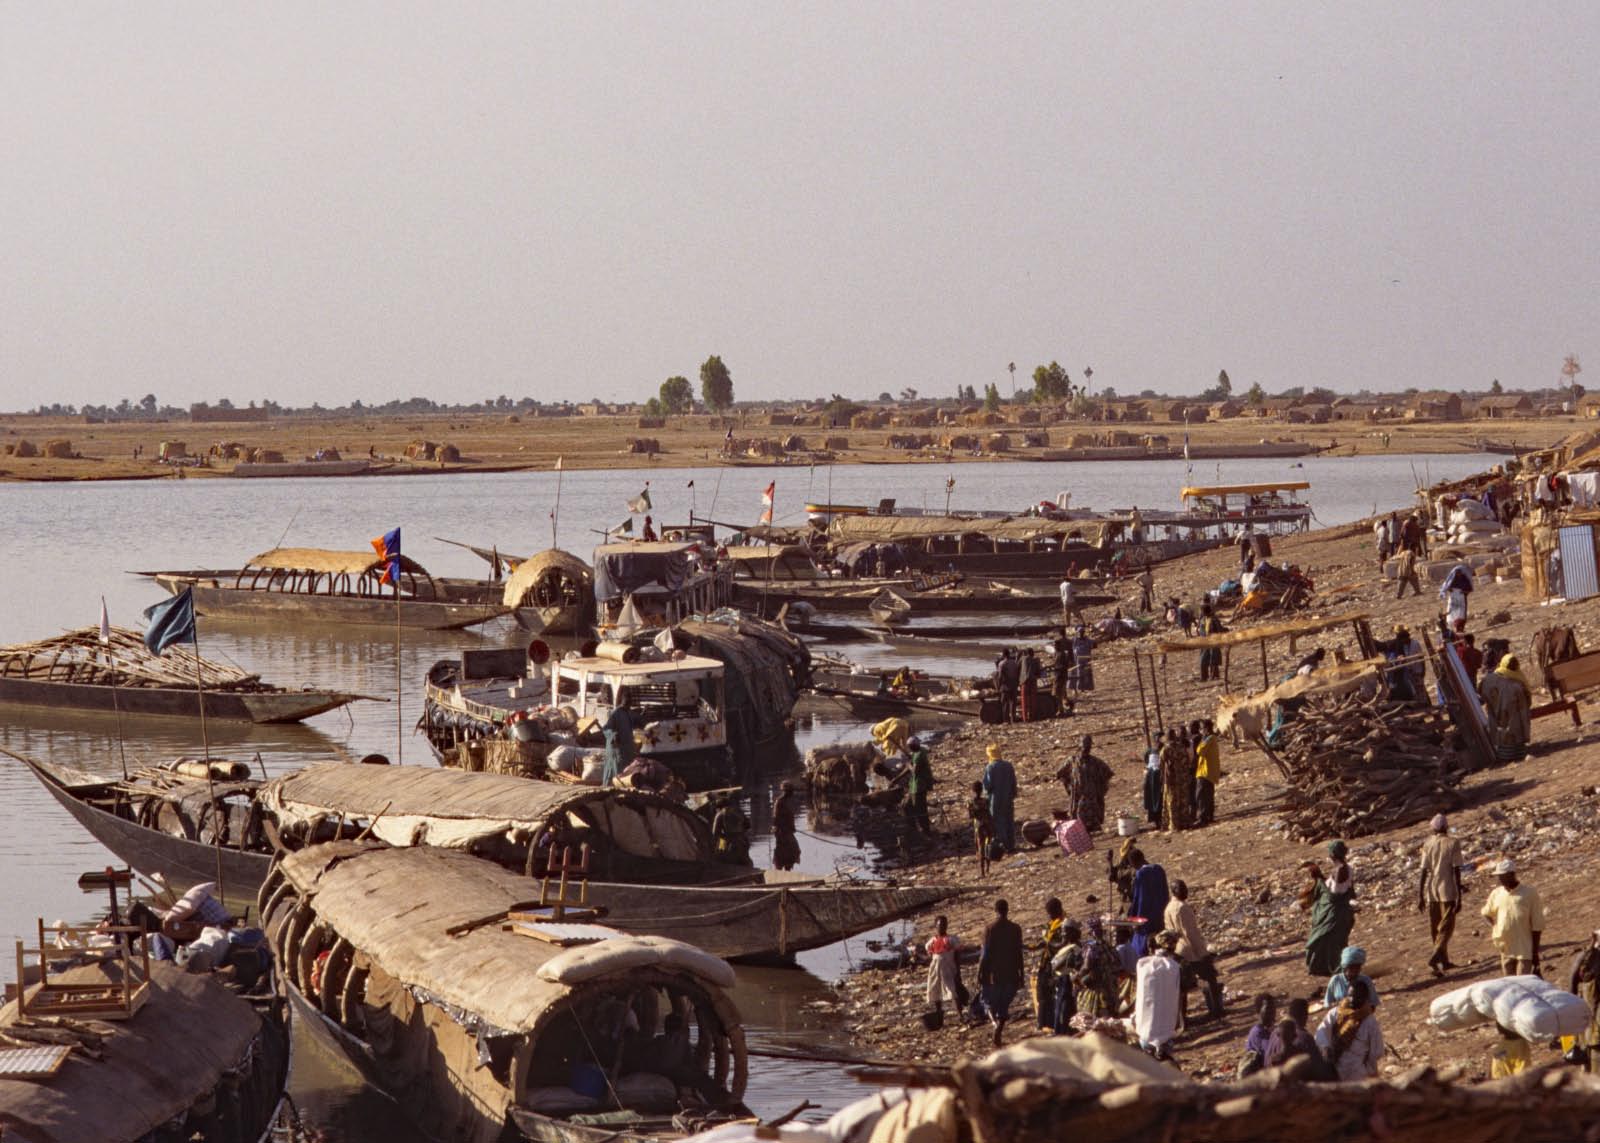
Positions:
{"x": 551, "y": 593}
{"x": 489, "y": 1019}
{"x": 336, "y": 587}
{"x": 76, "y": 671}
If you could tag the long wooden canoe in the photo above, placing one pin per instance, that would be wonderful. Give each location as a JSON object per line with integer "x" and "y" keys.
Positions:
{"x": 743, "y": 921}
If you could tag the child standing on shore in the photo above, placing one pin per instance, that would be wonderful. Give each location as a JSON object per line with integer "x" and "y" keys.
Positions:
{"x": 982, "y": 826}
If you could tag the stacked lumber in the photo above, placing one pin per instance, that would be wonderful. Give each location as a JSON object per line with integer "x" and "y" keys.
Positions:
{"x": 1356, "y": 766}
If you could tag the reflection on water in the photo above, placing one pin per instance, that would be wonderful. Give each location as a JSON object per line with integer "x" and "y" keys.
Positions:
{"x": 67, "y": 546}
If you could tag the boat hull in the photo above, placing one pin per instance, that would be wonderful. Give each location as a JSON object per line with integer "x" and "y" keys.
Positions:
{"x": 169, "y": 702}
{"x": 180, "y": 861}
{"x": 760, "y": 922}
{"x": 241, "y": 603}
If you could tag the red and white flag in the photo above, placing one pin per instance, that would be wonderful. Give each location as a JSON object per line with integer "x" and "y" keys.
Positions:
{"x": 766, "y": 502}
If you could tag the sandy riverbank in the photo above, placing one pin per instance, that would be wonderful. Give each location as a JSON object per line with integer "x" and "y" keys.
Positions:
{"x": 1242, "y": 870}
{"x": 494, "y": 443}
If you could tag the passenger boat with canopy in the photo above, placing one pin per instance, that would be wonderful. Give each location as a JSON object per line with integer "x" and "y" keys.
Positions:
{"x": 315, "y": 584}
{"x": 489, "y": 1016}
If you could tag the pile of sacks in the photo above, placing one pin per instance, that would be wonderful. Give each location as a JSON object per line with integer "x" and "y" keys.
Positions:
{"x": 1471, "y": 522}
{"x": 1527, "y": 1006}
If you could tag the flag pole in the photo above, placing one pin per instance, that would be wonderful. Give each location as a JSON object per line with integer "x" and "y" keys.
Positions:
{"x": 219, "y": 812}
{"x": 555, "y": 513}
{"x": 399, "y": 681}
{"x": 116, "y": 704}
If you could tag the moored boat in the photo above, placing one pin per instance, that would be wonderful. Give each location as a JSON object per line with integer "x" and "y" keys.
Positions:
{"x": 638, "y": 585}
{"x": 78, "y": 672}
{"x": 440, "y": 979}
{"x": 551, "y": 593}
{"x": 314, "y": 584}
{"x": 191, "y": 829}
{"x": 116, "y": 1048}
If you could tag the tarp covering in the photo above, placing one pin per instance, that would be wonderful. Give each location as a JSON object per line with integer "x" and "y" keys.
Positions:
{"x": 1333, "y": 679}
{"x": 329, "y": 562}
{"x": 552, "y": 562}
{"x": 844, "y": 529}
{"x": 621, "y": 569}
{"x": 395, "y": 905}
{"x": 454, "y": 808}
{"x": 1243, "y": 489}
{"x": 765, "y": 667}
{"x": 191, "y": 1024}
{"x": 1292, "y": 628}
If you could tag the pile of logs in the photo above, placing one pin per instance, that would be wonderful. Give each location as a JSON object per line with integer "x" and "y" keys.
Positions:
{"x": 1356, "y": 766}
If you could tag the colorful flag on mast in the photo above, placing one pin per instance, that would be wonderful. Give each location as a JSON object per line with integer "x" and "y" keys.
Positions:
{"x": 388, "y": 548}
{"x": 640, "y": 504}
{"x": 766, "y": 502}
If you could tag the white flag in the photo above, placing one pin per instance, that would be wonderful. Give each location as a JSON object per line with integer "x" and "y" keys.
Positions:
{"x": 766, "y": 501}
{"x": 559, "y": 459}
{"x": 105, "y": 622}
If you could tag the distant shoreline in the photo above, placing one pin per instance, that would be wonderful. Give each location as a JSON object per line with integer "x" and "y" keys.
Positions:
{"x": 489, "y": 444}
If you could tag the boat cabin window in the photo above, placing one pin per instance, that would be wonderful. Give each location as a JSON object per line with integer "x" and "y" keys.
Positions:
{"x": 648, "y": 1048}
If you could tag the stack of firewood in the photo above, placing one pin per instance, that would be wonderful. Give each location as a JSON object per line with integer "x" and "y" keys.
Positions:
{"x": 1357, "y": 766}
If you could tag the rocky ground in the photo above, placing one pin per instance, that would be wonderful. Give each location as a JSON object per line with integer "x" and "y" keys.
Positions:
{"x": 1242, "y": 871}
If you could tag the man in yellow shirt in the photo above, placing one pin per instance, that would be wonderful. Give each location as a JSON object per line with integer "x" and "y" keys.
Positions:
{"x": 1207, "y": 771}
{"x": 1517, "y": 915}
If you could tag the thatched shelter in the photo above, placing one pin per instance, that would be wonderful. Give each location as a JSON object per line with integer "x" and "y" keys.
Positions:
{"x": 22, "y": 448}
{"x": 836, "y": 444}
{"x": 449, "y": 452}
{"x": 645, "y": 446}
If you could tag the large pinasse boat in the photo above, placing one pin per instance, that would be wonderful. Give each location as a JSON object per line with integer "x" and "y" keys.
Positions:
{"x": 490, "y": 1018}
{"x": 322, "y": 586}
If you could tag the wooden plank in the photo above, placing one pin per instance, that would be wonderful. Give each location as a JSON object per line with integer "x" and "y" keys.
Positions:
{"x": 1580, "y": 674}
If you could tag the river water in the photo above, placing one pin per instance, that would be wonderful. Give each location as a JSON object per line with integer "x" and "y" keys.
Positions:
{"x": 65, "y": 546}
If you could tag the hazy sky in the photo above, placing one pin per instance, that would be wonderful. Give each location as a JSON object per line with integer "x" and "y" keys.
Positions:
{"x": 333, "y": 201}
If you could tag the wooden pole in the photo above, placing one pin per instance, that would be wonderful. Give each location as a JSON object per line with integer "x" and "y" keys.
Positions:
{"x": 399, "y": 683}
{"x": 1155, "y": 689}
{"x": 218, "y": 811}
{"x": 1264, "y": 680}
{"x": 116, "y": 705}
{"x": 555, "y": 513}
{"x": 1144, "y": 707}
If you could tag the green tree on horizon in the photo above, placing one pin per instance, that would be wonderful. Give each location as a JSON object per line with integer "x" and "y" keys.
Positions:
{"x": 676, "y": 396}
{"x": 716, "y": 384}
{"x": 1052, "y": 383}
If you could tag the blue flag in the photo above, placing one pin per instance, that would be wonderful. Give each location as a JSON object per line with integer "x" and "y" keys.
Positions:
{"x": 170, "y": 622}
{"x": 388, "y": 548}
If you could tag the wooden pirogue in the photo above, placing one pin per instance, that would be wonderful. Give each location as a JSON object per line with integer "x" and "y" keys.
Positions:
{"x": 77, "y": 672}
{"x": 414, "y": 960}
{"x": 160, "y": 823}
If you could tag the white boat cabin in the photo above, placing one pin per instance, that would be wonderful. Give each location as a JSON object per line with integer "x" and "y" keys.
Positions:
{"x": 677, "y": 706}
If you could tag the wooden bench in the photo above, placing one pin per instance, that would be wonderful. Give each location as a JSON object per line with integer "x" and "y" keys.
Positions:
{"x": 1571, "y": 678}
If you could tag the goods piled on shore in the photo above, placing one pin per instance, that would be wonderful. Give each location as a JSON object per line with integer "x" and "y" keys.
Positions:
{"x": 1356, "y": 766}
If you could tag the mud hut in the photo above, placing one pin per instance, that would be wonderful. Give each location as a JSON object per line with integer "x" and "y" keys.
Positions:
{"x": 836, "y": 444}
{"x": 23, "y": 448}
{"x": 422, "y": 450}
{"x": 448, "y": 452}
{"x": 643, "y": 446}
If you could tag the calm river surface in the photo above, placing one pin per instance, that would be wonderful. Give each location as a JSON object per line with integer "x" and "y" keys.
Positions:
{"x": 66, "y": 545}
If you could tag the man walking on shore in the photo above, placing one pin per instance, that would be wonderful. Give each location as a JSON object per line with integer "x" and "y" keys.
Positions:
{"x": 1406, "y": 573}
{"x": 1000, "y": 967}
{"x": 1439, "y": 892}
{"x": 1517, "y": 914}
